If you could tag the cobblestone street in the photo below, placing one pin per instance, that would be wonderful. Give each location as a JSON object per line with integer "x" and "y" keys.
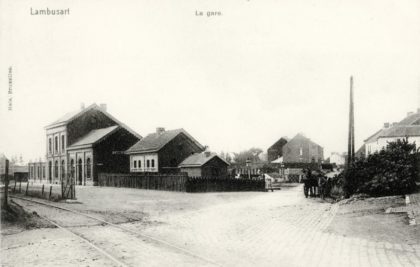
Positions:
{"x": 231, "y": 229}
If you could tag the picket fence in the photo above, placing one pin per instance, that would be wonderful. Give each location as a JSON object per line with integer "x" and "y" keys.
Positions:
{"x": 167, "y": 182}
{"x": 179, "y": 182}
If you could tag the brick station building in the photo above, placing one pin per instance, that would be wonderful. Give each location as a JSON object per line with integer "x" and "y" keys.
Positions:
{"x": 82, "y": 144}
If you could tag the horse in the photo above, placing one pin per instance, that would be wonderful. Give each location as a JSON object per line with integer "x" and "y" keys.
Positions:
{"x": 310, "y": 183}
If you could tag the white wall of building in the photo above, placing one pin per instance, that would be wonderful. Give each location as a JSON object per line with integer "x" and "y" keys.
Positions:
{"x": 144, "y": 163}
{"x": 381, "y": 143}
{"x": 337, "y": 158}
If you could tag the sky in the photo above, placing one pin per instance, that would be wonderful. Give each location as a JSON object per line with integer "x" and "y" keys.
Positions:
{"x": 260, "y": 71}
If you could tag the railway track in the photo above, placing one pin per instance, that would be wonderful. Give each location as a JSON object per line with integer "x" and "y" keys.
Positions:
{"x": 92, "y": 244}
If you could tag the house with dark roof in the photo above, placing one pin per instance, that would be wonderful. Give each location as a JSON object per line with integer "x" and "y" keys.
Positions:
{"x": 82, "y": 144}
{"x": 162, "y": 151}
{"x": 205, "y": 164}
{"x": 409, "y": 128}
{"x": 275, "y": 151}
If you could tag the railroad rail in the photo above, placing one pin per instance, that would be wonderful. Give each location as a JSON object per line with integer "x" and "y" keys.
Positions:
{"x": 103, "y": 252}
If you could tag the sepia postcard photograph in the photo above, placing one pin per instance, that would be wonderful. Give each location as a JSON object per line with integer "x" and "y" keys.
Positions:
{"x": 210, "y": 133}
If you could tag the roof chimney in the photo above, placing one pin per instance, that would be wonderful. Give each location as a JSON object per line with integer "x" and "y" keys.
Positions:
{"x": 160, "y": 130}
{"x": 207, "y": 154}
{"x": 386, "y": 125}
{"x": 103, "y": 106}
{"x": 82, "y": 106}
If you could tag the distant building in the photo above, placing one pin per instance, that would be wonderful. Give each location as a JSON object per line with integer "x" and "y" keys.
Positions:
{"x": 205, "y": 164}
{"x": 301, "y": 149}
{"x": 16, "y": 169}
{"x": 276, "y": 150}
{"x": 83, "y": 144}
{"x": 409, "y": 128}
{"x": 338, "y": 158}
{"x": 162, "y": 151}
{"x": 361, "y": 152}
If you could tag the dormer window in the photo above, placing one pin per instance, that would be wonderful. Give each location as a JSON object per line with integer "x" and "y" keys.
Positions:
{"x": 135, "y": 164}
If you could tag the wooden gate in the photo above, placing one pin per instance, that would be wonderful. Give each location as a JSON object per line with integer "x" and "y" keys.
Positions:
{"x": 68, "y": 187}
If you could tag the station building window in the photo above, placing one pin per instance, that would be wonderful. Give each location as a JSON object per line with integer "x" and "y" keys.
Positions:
{"x": 88, "y": 166}
{"x": 56, "y": 169}
{"x": 56, "y": 144}
{"x": 62, "y": 143}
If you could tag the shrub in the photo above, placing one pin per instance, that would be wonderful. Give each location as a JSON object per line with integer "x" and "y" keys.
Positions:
{"x": 392, "y": 171}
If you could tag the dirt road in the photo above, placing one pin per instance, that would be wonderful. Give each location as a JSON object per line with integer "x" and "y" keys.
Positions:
{"x": 226, "y": 229}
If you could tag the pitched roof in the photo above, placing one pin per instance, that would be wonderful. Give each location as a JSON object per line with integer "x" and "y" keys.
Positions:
{"x": 401, "y": 131}
{"x": 73, "y": 115}
{"x": 374, "y": 136}
{"x": 409, "y": 126}
{"x": 93, "y": 137}
{"x": 412, "y": 119}
{"x": 156, "y": 141}
{"x": 284, "y": 139}
{"x": 199, "y": 159}
{"x": 303, "y": 137}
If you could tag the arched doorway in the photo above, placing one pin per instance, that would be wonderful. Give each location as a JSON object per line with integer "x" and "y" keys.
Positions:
{"x": 80, "y": 171}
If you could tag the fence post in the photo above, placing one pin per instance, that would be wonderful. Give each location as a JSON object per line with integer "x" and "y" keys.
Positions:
{"x": 49, "y": 198}
{"x": 20, "y": 185}
{"x": 27, "y": 185}
{"x": 42, "y": 192}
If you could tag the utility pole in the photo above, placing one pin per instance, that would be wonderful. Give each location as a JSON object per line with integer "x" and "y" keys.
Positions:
{"x": 350, "y": 150}
{"x": 6, "y": 185}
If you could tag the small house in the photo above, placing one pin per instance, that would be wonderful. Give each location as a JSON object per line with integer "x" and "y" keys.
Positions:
{"x": 162, "y": 151}
{"x": 205, "y": 164}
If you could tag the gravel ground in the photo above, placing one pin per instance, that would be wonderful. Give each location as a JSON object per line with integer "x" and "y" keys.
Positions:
{"x": 279, "y": 228}
{"x": 369, "y": 220}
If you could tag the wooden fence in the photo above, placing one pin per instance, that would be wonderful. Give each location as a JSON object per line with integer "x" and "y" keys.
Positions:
{"x": 200, "y": 184}
{"x": 179, "y": 182}
{"x": 168, "y": 182}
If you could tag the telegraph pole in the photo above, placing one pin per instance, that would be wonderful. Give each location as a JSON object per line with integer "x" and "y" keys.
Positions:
{"x": 350, "y": 150}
